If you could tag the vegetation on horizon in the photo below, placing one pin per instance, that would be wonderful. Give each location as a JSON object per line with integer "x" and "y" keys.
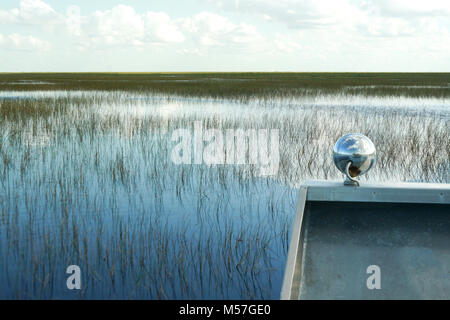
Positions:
{"x": 238, "y": 85}
{"x": 86, "y": 178}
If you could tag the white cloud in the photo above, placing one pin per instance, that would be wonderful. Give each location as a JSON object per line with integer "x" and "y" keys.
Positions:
{"x": 161, "y": 28}
{"x": 297, "y": 34}
{"x": 209, "y": 29}
{"x": 293, "y": 13}
{"x": 392, "y": 20}
{"x": 377, "y": 18}
{"x": 408, "y": 8}
{"x": 123, "y": 26}
{"x": 25, "y": 43}
{"x": 120, "y": 25}
{"x": 288, "y": 43}
{"x": 74, "y": 20}
{"x": 9, "y": 16}
{"x": 386, "y": 27}
{"x": 35, "y": 12}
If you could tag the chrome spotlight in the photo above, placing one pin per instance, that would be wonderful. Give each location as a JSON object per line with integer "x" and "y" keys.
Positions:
{"x": 354, "y": 155}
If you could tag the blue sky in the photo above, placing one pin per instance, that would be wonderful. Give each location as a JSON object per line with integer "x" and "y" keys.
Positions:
{"x": 220, "y": 35}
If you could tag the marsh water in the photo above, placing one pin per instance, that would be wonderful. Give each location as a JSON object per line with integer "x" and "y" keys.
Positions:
{"x": 87, "y": 179}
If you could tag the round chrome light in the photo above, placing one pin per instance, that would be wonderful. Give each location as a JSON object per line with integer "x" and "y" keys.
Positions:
{"x": 354, "y": 155}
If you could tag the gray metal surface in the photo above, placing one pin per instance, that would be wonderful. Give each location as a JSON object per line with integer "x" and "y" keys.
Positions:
{"x": 372, "y": 192}
{"x": 343, "y": 232}
{"x": 291, "y": 281}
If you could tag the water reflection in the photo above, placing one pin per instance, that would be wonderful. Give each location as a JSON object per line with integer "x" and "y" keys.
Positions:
{"x": 92, "y": 184}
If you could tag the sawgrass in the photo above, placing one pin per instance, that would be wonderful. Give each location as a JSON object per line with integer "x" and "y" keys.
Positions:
{"x": 86, "y": 178}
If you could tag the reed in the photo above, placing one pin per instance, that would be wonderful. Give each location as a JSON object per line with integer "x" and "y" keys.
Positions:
{"x": 86, "y": 176}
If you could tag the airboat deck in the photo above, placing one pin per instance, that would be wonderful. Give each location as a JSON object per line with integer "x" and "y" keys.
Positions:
{"x": 341, "y": 234}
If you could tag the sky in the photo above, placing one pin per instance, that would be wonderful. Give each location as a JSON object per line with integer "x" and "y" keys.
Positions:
{"x": 220, "y": 35}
